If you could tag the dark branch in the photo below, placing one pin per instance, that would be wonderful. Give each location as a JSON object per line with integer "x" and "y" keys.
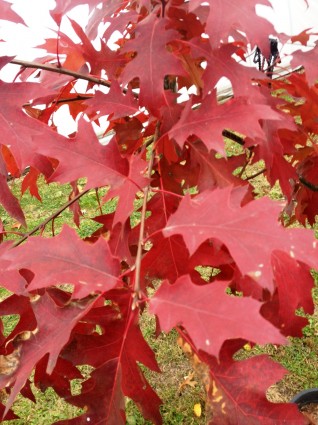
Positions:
{"x": 50, "y": 218}
{"x": 53, "y": 68}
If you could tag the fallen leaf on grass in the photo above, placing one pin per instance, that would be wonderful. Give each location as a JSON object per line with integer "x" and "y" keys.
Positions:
{"x": 188, "y": 380}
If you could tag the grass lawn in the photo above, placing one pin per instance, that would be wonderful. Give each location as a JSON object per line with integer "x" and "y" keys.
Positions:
{"x": 178, "y": 386}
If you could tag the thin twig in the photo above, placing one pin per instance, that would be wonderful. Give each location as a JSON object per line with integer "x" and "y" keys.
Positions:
{"x": 143, "y": 219}
{"x": 256, "y": 174}
{"x": 51, "y": 217}
{"x": 66, "y": 100}
{"x": 53, "y": 68}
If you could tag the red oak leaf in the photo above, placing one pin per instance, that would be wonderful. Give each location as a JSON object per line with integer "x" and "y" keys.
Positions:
{"x": 7, "y": 14}
{"x": 10, "y": 202}
{"x": 294, "y": 291}
{"x": 121, "y": 343}
{"x": 54, "y": 326}
{"x": 102, "y": 59}
{"x": 210, "y": 119}
{"x": 102, "y": 398}
{"x": 309, "y": 61}
{"x": 102, "y": 165}
{"x": 152, "y": 62}
{"x": 228, "y": 16}
{"x": 64, "y": 6}
{"x": 67, "y": 259}
{"x": 214, "y": 172}
{"x": 114, "y": 103}
{"x": 250, "y": 232}
{"x": 220, "y": 63}
{"x": 204, "y": 312}
{"x": 59, "y": 378}
{"x": 165, "y": 260}
{"x": 239, "y": 391}
{"x": 127, "y": 192}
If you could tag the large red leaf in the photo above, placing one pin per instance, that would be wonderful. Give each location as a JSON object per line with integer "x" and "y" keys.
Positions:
{"x": 204, "y": 312}
{"x": 294, "y": 291}
{"x": 84, "y": 156}
{"x": 152, "y": 62}
{"x": 9, "y": 201}
{"x": 220, "y": 63}
{"x": 102, "y": 398}
{"x": 308, "y": 60}
{"x": 250, "y": 232}
{"x": 121, "y": 343}
{"x": 210, "y": 119}
{"x": 62, "y": 7}
{"x": 54, "y": 326}
{"x": 238, "y": 394}
{"x": 67, "y": 259}
{"x": 17, "y": 129}
{"x": 7, "y": 14}
{"x": 228, "y": 16}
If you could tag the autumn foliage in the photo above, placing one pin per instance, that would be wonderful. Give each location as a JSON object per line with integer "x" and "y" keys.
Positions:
{"x": 79, "y": 301}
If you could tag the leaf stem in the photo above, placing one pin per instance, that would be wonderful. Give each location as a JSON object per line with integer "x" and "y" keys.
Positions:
{"x": 143, "y": 219}
{"x": 51, "y": 217}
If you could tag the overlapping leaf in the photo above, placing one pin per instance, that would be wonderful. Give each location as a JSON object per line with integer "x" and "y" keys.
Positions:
{"x": 210, "y": 119}
{"x": 151, "y": 54}
{"x": 203, "y": 312}
{"x": 239, "y": 391}
{"x": 54, "y": 325}
{"x": 250, "y": 232}
{"x": 67, "y": 259}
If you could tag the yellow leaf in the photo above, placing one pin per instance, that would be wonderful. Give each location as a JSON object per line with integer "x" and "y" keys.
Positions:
{"x": 197, "y": 410}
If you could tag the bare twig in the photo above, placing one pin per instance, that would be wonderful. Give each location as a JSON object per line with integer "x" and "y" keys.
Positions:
{"x": 51, "y": 217}
{"x": 256, "y": 174}
{"x": 143, "y": 218}
{"x": 53, "y": 68}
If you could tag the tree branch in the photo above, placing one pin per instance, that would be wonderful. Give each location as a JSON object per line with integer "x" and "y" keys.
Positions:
{"x": 53, "y": 68}
{"x": 256, "y": 174}
{"x": 143, "y": 219}
{"x": 51, "y": 217}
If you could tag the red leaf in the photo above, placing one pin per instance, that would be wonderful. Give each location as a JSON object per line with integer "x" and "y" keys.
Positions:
{"x": 211, "y": 119}
{"x": 67, "y": 259}
{"x": 309, "y": 61}
{"x": 250, "y": 232}
{"x": 220, "y": 63}
{"x": 121, "y": 344}
{"x": 10, "y": 202}
{"x": 17, "y": 128}
{"x": 239, "y": 391}
{"x": 102, "y": 397}
{"x": 114, "y": 103}
{"x": 152, "y": 62}
{"x": 64, "y": 6}
{"x": 102, "y": 165}
{"x": 228, "y": 16}
{"x": 203, "y": 312}
{"x": 294, "y": 291}
{"x": 7, "y": 14}
{"x": 54, "y": 325}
